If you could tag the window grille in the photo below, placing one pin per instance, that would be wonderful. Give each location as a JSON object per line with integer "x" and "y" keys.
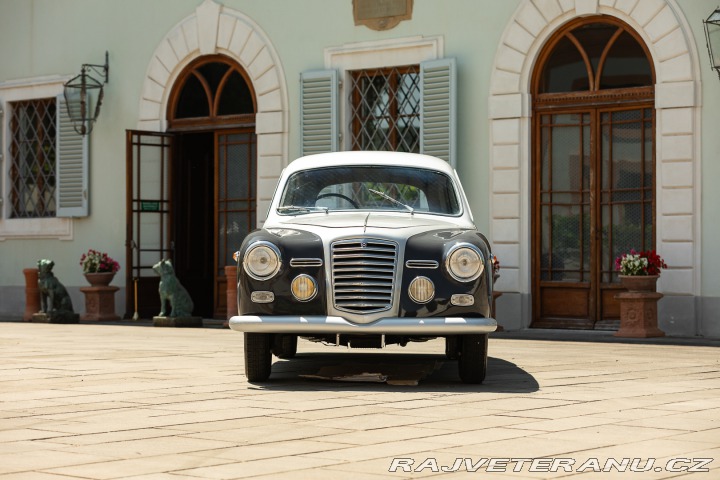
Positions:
{"x": 385, "y": 109}
{"x": 32, "y": 151}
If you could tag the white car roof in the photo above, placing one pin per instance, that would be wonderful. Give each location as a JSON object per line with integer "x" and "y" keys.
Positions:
{"x": 369, "y": 158}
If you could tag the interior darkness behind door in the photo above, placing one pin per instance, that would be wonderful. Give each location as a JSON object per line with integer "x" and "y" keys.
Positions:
{"x": 194, "y": 213}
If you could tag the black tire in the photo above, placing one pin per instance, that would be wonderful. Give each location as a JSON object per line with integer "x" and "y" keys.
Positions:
{"x": 258, "y": 359}
{"x": 472, "y": 364}
{"x": 285, "y": 346}
{"x": 452, "y": 347}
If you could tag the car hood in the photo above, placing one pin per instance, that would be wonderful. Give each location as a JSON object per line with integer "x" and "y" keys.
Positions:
{"x": 363, "y": 223}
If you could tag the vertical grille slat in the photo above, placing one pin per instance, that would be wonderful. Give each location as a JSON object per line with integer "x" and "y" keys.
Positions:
{"x": 363, "y": 274}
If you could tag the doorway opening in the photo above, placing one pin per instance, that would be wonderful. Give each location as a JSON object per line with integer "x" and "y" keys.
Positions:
{"x": 193, "y": 217}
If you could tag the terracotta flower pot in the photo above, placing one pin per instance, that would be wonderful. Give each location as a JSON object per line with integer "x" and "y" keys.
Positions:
{"x": 100, "y": 279}
{"x": 638, "y": 307}
{"x": 32, "y": 293}
{"x": 639, "y": 283}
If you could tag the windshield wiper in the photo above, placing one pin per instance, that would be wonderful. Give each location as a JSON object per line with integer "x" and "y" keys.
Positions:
{"x": 391, "y": 199}
{"x": 301, "y": 209}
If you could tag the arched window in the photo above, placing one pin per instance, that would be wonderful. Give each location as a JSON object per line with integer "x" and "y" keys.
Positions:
{"x": 593, "y": 61}
{"x": 212, "y": 91}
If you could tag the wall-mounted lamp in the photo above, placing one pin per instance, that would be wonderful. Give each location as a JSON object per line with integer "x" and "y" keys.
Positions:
{"x": 84, "y": 90}
{"x": 712, "y": 37}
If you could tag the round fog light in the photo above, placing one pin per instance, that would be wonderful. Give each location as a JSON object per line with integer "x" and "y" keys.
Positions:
{"x": 304, "y": 287}
{"x": 421, "y": 290}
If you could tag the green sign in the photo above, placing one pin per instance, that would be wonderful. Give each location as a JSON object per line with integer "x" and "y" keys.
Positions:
{"x": 149, "y": 206}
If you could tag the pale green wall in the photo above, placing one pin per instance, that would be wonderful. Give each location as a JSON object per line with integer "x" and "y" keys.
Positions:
{"x": 53, "y": 37}
{"x": 695, "y": 12}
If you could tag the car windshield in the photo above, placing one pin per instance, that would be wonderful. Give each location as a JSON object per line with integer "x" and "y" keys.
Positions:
{"x": 363, "y": 187}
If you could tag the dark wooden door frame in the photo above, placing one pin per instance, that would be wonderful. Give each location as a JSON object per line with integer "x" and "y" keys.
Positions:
{"x": 139, "y": 276}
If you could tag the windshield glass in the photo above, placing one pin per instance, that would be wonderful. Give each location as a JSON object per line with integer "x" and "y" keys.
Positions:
{"x": 369, "y": 188}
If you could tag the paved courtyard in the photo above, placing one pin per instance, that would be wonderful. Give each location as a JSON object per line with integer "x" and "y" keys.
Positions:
{"x": 132, "y": 401}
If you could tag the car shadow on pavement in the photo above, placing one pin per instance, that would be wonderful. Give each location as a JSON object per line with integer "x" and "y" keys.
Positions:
{"x": 388, "y": 372}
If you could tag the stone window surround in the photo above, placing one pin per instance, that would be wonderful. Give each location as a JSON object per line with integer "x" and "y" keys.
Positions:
{"x": 376, "y": 54}
{"x": 669, "y": 38}
{"x": 18, "y": 228}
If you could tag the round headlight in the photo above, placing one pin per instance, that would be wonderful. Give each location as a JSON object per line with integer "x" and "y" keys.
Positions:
{"x": 262, "y": 261}
{"x": 421, "y": 290}
{"x": 303, "y": 287}
{"x": 464, "y": 262}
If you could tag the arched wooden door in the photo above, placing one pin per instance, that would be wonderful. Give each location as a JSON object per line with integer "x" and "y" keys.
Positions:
{"x": 593, "y": 170}
{"x": 210, "y": 184}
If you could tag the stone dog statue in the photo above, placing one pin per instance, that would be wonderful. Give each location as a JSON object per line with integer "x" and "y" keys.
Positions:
{"x": 172, "y": 291}
{"x": 54, "y": 298}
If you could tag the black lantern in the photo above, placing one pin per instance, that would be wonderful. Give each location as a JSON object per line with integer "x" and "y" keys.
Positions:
{"x": 82, "y": 92}
{"x": 712, "y": 37}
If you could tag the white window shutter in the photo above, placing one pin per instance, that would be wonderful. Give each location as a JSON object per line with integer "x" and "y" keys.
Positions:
{"x": 438, "y": 80}
{"x": 319, "y": 93}
{"x": 71, "y": 167}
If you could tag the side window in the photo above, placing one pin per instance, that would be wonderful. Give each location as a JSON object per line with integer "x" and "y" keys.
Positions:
{"x": 32, "y": 158}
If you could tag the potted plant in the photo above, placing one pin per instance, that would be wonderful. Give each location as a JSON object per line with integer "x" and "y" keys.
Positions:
{"x": 638, "y": 273}
{"x": 99, "y": 270}
{"x": 98, "y": 267}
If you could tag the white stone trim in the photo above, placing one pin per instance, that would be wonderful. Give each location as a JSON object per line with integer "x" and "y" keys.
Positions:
{"x": 669, "y": 38}
{"x": 35, "y": 228}
{"x": 214, "y": 29}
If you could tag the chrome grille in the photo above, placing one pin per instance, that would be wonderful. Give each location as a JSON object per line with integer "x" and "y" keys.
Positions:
{"x": 363, "y": 274}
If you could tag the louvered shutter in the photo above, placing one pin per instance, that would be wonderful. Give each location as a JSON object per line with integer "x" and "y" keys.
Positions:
{"x": 438, "y": 109}
{"x": 319, "y": 111}
{"x": 71, "y": 167}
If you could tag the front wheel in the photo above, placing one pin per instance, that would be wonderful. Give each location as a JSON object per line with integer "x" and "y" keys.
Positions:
{"x": 285, "y": 346}
{"x": 258, "y": 357}
{"x": 452, "y": 347}
{"x": 472, "y": 364}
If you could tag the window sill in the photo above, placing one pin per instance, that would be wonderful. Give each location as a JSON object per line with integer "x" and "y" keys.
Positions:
{"x": 34, "y": 228}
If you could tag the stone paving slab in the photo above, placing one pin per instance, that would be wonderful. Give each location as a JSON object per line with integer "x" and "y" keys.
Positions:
{"x": 128, "y": 401}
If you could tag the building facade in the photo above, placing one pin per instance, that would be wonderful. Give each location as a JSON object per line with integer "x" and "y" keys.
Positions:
{"x": 580, "y": 128}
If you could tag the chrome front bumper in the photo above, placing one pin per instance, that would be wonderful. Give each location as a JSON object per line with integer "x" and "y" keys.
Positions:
{"x": 315, "y": 324}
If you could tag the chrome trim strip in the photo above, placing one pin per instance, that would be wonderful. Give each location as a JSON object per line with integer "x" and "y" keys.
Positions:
{"x": 306, "y": 262}
{"x": 338, "y": 325}
{"x": 422, "y": 264}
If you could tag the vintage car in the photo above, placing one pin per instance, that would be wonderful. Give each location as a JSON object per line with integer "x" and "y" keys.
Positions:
{"x": 363, "y": 250}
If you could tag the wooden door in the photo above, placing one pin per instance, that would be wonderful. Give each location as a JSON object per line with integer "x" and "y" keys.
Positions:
{"x": 563, "y": 277}
{"x": 235, "y": 202}
{"x": 592, "y": 171}
{"x": 149, "y": 217}
{"x": 593, "y": 200}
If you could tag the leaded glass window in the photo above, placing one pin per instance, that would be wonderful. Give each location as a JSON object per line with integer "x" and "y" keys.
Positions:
{"x": 385, "y": 109}
{"x": 32, "y": 150}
